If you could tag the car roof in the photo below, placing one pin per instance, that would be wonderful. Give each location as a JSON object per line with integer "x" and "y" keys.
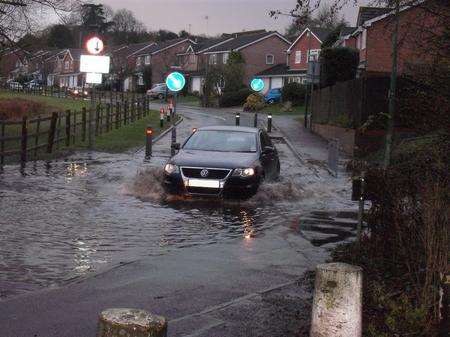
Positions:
{"x": 229, "y": 128}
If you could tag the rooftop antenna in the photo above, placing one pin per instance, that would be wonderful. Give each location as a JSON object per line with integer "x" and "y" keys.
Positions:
{"x": 207, "y": 19}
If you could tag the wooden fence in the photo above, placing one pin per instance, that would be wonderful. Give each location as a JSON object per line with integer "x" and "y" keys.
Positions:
{"x": 26, "y": 139}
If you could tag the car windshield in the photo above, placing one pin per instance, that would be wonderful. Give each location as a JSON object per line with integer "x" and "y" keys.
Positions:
{"x": 223, "y": 141}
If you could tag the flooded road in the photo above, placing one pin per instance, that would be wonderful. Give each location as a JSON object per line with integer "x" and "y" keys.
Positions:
{"x": 69, "y": 218}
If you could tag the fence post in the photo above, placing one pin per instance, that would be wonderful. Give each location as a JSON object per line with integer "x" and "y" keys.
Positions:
{"x": 117, "y": 114}
{"x": 23, "y": 153}
{"x": 67, "y": 127}
{"x": 97, "y": 119}
{"x": 125, "y": 112}
{"x": 36, "y": 139}
{"x": 2, "y": 145}
{"x": 83, "y": 124}
{"x": 52, "y": 132}
{"x": 108, "y": 116}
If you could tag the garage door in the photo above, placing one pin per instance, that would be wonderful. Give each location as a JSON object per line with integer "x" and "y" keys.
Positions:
{"x": 277, "y": 82}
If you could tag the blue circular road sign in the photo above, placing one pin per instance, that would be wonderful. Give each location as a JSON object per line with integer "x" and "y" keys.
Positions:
{"x": 175, "y": 81}
{"x": 257, "y": 84}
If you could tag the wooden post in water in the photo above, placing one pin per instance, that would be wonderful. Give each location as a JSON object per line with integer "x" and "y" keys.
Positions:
{"x": 68, "y": 128}
{"x": 24, "y": 139}
{"x": 52, "y": 132}
{"x": 130, "y": 323}
{"x": 36, "y": 139}
{"x": 83, "y": 125}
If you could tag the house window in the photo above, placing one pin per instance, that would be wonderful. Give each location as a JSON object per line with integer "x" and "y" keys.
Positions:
{"x": 270, "y": 59}
{"x": 213, "y": 59}
{"x": 66, "y": 65}
{"x": 226, "y": 56}
{"x": 147, "y": 59}
{"x": 298, "y": 56}
{"x": 140, "y": 80}
{"x": 313, "y": 54}
{"x": 138, "y": 61}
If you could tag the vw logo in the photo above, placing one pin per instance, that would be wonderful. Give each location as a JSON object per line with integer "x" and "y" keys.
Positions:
{"x": 204, "y": 173}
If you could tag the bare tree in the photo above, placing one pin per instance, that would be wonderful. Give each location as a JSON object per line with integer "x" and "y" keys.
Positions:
{"x": 20, "y": 17}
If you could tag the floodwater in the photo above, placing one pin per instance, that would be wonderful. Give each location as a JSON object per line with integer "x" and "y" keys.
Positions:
{"x": 66, "y": 219}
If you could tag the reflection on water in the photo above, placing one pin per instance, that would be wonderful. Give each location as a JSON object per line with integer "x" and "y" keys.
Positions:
{"x": 65, "y": 219}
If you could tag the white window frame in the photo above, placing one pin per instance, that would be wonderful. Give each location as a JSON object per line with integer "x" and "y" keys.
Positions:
{"x": 315, "y": 53}
{"x": 66, "y": 65}
{"x": 298, "y": 56}
{"x": 225, "y": 58}
{"x": 147, "y": 59}
{"x": 138, "y": 61}
{"x": 267, "y": 57}
{"x": 213, "y": 59}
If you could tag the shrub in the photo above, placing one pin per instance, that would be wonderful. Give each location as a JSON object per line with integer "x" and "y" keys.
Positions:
{"x": 294, "y": 92}
{"x": 338, "y": 65}
{"x": 234, "y": 98}
{"x": 17, "y": 108}
{"x": 254, "y": 102}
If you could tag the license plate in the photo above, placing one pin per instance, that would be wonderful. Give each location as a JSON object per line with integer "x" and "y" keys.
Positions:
{"x": 204, "y": 183}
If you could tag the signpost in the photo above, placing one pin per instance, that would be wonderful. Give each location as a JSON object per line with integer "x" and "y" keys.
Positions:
{"x": 175, "y": 82}
{"x": 257, "y": 84}
{"x": 94, "y": 66}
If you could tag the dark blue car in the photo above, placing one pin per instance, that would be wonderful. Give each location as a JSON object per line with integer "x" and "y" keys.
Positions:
{"x": 273, "y": 96}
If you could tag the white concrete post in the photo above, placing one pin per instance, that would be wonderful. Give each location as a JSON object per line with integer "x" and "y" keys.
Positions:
{"x": 337, "y": 304}
{"x": 130, "y": 323}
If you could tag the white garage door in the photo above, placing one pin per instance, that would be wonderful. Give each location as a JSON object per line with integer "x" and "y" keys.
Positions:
{"x": 277, "y": 82}
{"x": 196, "y": 84}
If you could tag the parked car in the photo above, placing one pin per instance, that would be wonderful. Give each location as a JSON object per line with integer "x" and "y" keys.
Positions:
{"x": 15, "y": 85}
{"x": 273, "y": 96}
{"x": 158, "y": 91}
{"x": 222, "y": 161}
{"x": 78, "y": 92}
{"x": 33, "y": 84}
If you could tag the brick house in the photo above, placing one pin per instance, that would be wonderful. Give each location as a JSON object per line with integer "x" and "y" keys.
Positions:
{"x": 13, "y": 63}
{"x": 63, "y": 69}
{"x": 260, "y": 50}
{"x": 417, "y": 26}
{"x": 307, "y": 46}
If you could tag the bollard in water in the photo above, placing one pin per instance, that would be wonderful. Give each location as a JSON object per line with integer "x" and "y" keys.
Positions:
{"x": 130, "y": 323}
{"x": 148, "y": 142}
{"x": 238, "y": 118}
{"x": 174, "y": 140}
{"x": 337, "y": 304}
{"x": 255, "y": 121}
{"x": 161, "y": 118}
{"x": 269, "y": 123}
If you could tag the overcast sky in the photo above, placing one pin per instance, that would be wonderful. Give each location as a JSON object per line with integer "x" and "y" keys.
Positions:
{"x": 224, "y": 16}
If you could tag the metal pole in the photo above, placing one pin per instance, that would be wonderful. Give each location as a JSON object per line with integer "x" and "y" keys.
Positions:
{"x": 392, "y": 89}
{"x": 255, "y": 122}
{"x": 361, "y": 209}
{"x": 269, "y": 123}
{"x": 91, "y": 136}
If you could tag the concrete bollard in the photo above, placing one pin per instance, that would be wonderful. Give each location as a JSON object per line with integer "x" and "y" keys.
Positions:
{"x": 161, "y": 118}
{"x": 130, "y": 323}
{"x": 337, "y": 304}
{"x": 269, "y": 123}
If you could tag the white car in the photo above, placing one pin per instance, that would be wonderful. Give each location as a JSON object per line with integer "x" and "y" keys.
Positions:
{"x": 15, "y": 85}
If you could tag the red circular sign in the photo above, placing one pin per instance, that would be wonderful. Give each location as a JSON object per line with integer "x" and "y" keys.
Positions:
{"x": 95, "y": 45}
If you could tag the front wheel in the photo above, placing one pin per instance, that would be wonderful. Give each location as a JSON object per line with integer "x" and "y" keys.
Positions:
{"x": 271, "y": 101}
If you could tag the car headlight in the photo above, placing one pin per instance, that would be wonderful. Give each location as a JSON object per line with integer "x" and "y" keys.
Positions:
{"x": 171, "y": 168}
{"x": 244, "y": 172}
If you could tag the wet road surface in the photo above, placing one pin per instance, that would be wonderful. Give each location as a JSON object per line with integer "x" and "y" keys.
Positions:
{"x": 66, "y": 219}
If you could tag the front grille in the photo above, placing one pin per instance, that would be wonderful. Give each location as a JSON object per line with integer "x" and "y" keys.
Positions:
{"x": 190, "y": 172}
{"x": 203, "y": 190}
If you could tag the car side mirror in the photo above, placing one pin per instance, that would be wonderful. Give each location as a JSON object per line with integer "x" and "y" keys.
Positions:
{"x": 176, "y": 146}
